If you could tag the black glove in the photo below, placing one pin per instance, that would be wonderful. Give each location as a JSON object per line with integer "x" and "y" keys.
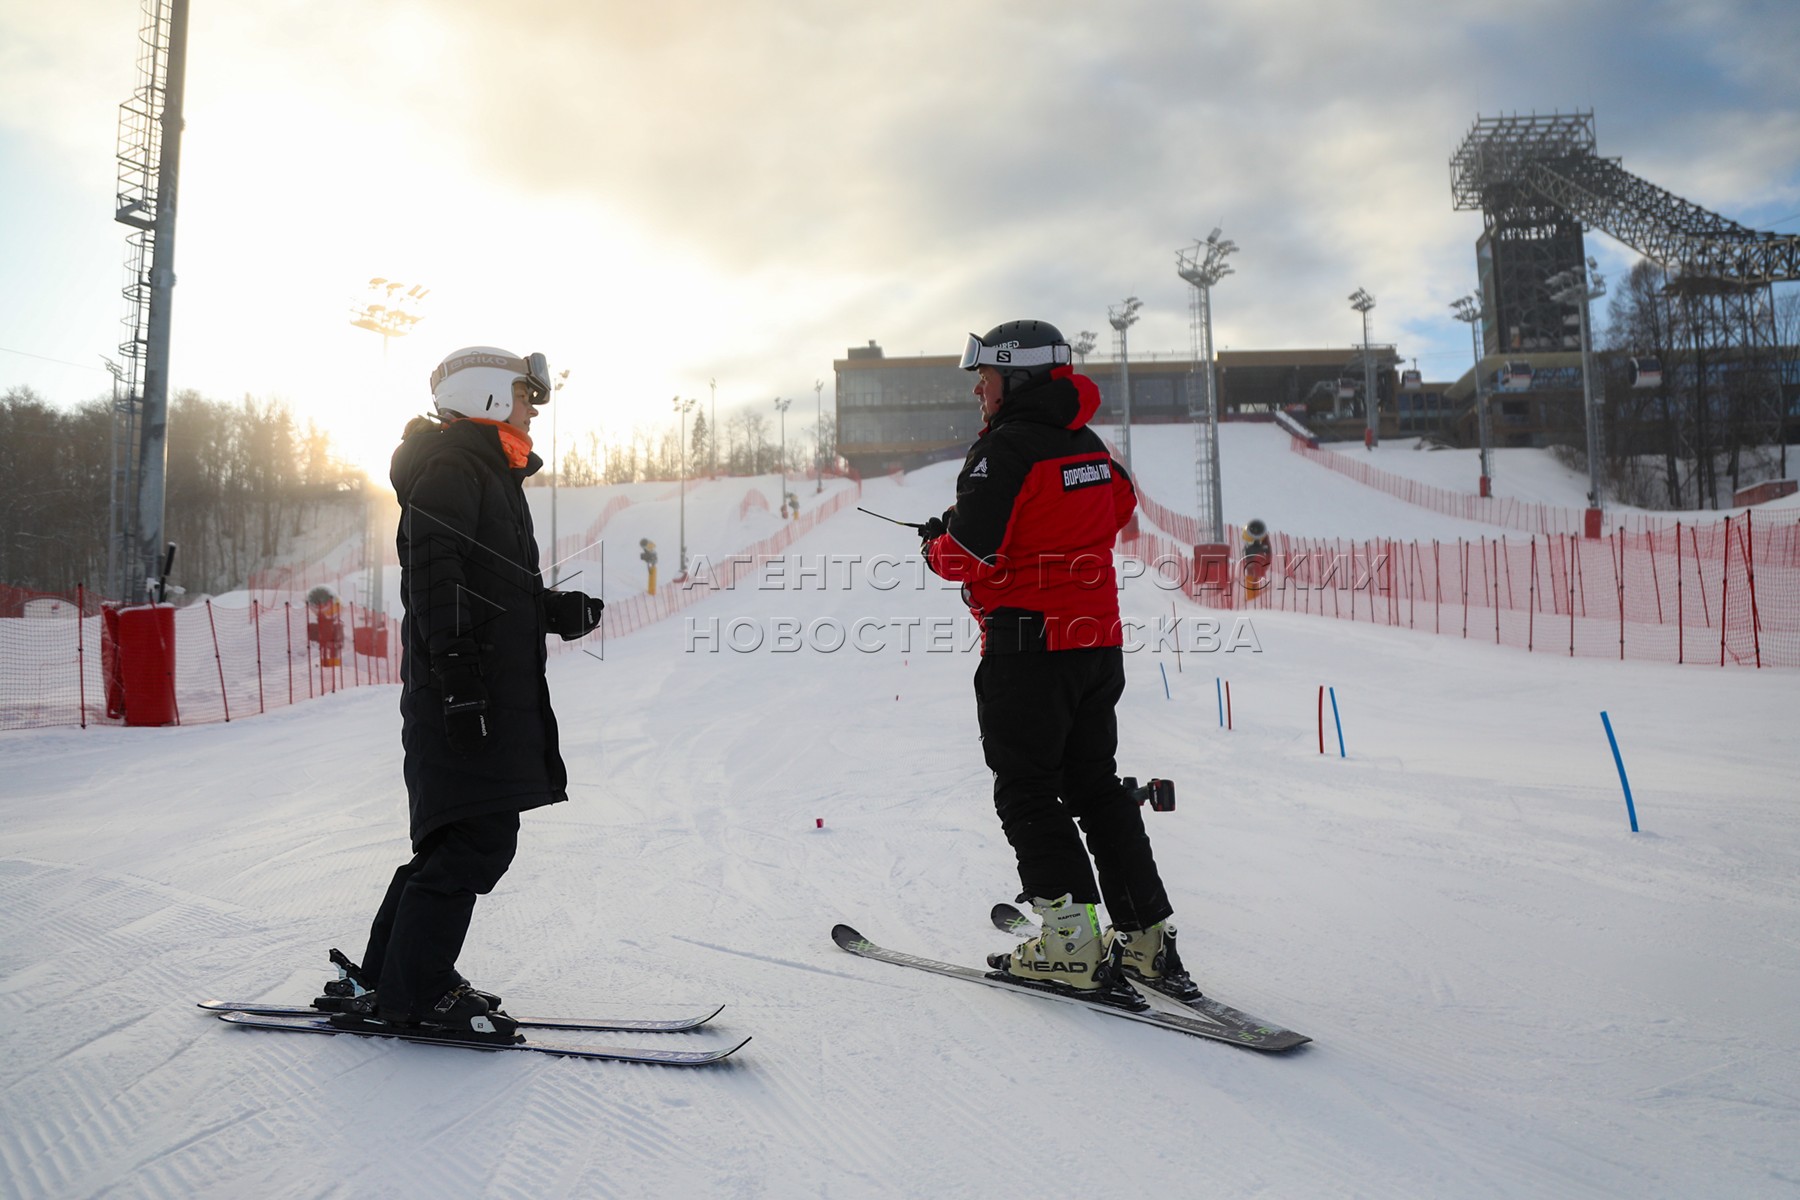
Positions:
{"x": 571, "y": 615}
{"x": 465, "y": 702}
{"x": 932, "y": 530}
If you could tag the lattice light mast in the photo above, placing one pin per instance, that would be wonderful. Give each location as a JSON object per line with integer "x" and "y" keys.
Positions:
{"x": 1468, "y": 309}
{"x": 1362, "y": 302}
{"x": 1578, "y": 288}
{"x": 1202, "y": 265}
{"x": 149, "y": 159}
{"x": 1084, "y": 344}
{"x": 1123, "y": 316}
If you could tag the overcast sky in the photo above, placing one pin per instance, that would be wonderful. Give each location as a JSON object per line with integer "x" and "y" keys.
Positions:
{"x": 659, "y": 195}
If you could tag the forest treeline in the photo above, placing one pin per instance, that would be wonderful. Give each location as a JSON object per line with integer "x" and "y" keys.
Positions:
{"x": 245, "y": 483}
{"x": 750, "y": 443}
{"x": 1719, "y": 416}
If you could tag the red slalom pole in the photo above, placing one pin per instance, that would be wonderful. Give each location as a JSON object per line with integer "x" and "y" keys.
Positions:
{"x": 1321, "y": 718}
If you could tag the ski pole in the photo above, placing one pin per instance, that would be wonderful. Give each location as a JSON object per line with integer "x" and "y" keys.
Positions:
{"x": 896, "y": 520}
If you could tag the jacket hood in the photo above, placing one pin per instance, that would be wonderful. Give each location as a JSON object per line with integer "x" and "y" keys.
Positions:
{"x": 1065, "y": 400}
{"x": 425, "y": 443}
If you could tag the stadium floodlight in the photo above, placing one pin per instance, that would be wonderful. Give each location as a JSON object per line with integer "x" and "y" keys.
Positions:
{"x": 1577, "y": 287}
{"x": 1468, "y": 309}
{"x": 1123, "y": 316}
{"x": 1362, "y": 302}
{"x": 781, "y": 406}
{"x": 682, "y": 409}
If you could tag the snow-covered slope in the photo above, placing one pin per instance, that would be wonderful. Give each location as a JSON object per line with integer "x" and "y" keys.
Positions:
{"x": 1511, "y": 994}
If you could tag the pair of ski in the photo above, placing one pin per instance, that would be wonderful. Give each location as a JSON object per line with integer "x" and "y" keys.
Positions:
{"x": 1201, "y": 1017}
{"x": 310, "y": 1020}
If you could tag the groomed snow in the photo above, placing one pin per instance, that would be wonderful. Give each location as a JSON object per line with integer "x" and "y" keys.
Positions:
{"x": 1510, "y": 993}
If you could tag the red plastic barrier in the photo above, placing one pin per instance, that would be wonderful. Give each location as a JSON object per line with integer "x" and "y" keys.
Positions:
{"x": 147, "y": 664}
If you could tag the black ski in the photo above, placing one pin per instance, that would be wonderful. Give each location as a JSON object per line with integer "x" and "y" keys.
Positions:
{"x": 1198, "y": 1024}
{"x": 319, "y": 1024}
{"x": 591, "y": 1024}
{"x": 1008, "y": 919}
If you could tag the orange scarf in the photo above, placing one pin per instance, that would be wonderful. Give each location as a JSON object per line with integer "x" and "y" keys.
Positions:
{"x": 514, "y": 442}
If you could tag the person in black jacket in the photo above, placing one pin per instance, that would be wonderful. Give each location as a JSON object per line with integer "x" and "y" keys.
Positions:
{"x": 478, "y": 732}
{"x": 1039, "y": 502}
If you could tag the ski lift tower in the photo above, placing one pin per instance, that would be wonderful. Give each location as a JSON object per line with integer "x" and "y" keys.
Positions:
{"x": 149, "y": 159}
{"x": 1202, "y": 265}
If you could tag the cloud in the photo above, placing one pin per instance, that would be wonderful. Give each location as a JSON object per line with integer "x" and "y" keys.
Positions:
{"x": 700, "y": 189}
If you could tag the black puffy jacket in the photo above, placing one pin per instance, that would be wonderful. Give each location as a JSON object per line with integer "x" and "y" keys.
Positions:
{"x": 470, "y": 585}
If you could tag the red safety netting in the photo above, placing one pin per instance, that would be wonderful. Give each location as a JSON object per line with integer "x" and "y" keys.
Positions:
{"x": 59, "y": 663}
{"x": 1723, "y": 593}
{"x": 59, "y": 660}
{"x": 640, "y": 611}
{"x": 1489, "y": 510}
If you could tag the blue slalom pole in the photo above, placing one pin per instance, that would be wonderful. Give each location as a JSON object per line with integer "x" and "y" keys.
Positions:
{"x": 1165, "y": 672}
{"x": 1630, "y": 808}
{"x": 1219, "y": 690}
{"x": 1335, "y": 720}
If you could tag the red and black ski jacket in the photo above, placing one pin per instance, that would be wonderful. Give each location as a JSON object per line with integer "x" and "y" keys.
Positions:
{"x": 1039, "y": 502}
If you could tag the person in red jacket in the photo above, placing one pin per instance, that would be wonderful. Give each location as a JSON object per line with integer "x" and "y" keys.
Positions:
{"x": 1039, "y": 502}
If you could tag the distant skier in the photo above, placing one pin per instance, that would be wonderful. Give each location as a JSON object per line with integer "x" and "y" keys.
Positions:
{"x": 479, "y": 736}
{"x": 1039, "y": 502}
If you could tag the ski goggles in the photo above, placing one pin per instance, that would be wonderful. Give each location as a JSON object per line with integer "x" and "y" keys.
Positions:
{"x": 1010, "y": 354}
{"x": 533, "y": 369}
{"x": 537, "y": 379}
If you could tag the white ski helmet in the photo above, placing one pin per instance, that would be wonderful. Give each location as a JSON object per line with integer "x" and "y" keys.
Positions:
{"x": 477, "y": 381}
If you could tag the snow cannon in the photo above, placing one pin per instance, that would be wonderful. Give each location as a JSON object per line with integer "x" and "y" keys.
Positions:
{"x": 1159, "y": 792}
{"x": 1255, "y": 558}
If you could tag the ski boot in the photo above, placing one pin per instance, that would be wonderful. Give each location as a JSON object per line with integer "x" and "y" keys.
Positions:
{"x": 459, "y": 1015}
{"x": 1149, "y": 957}
{"x": 493, "y": 1001}
{"x": 1068, "y": 956}
{"x": 350, "y": 991}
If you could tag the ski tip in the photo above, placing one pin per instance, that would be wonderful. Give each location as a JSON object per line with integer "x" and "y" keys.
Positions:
{"x": 1008, "y": 918}
{"x": 846, "y": 937}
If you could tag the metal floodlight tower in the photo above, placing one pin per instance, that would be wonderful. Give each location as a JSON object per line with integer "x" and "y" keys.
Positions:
{"x": 387, "y": 309}
{"x": 1468, "y": 309}
{"x": 1578, "y": 287}
{"x": 1362, "y": 302}
{"x": 819, "y": 435}
{"x": 781, "y": 407}
{"x": 149, "y": 162}
{"x": 682, "y": 409}
{"x": 1084, "y": 344}
{"x": 1202, "y": 265}
{"x": 1121, "y": 317}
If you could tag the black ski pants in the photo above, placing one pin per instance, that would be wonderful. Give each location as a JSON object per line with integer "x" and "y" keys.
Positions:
{"x": 419, "y": 929}
{"x": 1049, "y": 733}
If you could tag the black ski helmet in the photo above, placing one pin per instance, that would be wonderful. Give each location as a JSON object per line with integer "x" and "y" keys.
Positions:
{"x": 1024, "y": 352}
